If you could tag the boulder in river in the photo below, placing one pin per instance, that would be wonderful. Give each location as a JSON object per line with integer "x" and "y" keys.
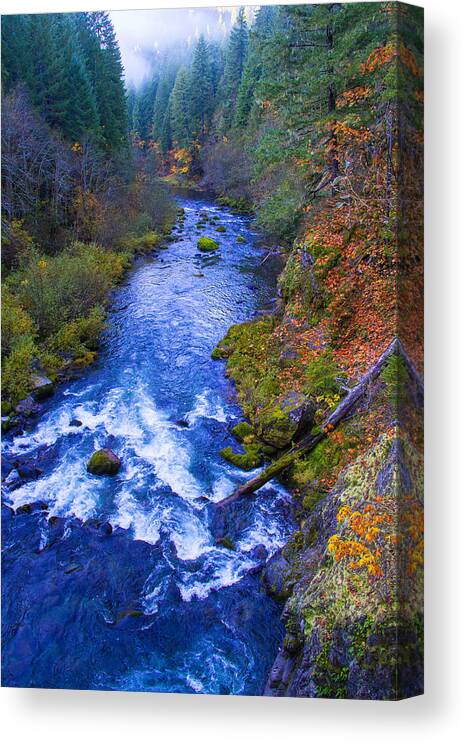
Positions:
{"x": 281, "y": 422}
{"x": 104, "y": 462}
{"x": 207, "y": 244}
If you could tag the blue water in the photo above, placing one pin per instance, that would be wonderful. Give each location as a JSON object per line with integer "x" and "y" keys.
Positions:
{"x": 158, "y": 604}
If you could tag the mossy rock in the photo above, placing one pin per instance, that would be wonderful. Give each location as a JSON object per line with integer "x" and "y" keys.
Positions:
{"x": 104, "y": 462}
{"x": 220, "y": 229}
{"x": 227, "y": 543}
{"x": 207, "y": 244}
{"x": 42, "y": 387}
{"x": 227, "y": 345}
{"x": 282, "y": 421}
{"x": 129, "y": 613}
{"x": 240, "y": 239}
{"x": 251, "y": 459}
{"x": 242, "y": 430}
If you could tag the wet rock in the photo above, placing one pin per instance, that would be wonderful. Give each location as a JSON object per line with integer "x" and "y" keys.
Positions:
{"x": 75, "y": 423}
{"x": 285, "y": 419}
{"x": 13, "y": 480}
{"x": 7, "y": 466}
{"x": 28, "y": 407}
{"x": 104, "y": 462}
{"x": 259, "y": 553}
{"x": 106, "y": 529}
{"x": 182, "y": 423}
{"x": 275, "y": 576}
{"x": 227, "y": 543}
{"x": 28, "y": 473}
{"x": 32, "y": 507}
{"x": 42, "y": 387}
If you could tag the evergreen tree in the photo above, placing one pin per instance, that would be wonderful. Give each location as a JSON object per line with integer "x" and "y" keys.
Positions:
{"x": 201, "y": 84}
{"x": 234, "y": 66}
{"x": 143, "y": 109}
{"x": 254, "y": 67}
{"x": 166, "y": 139}
{"x": 164, "y": 88}
{"x": 180, "y": 109}
{"x": 108, "y": 81}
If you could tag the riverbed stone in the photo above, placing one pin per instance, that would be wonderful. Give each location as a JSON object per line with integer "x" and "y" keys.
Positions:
{"x": 104, "y": 462}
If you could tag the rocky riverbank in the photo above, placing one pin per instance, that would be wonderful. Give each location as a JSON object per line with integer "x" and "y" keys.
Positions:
{"x": 350, "y": 577}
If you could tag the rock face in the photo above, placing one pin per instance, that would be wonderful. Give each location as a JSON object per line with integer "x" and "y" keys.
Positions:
{"x": 285, "y": 419}
{"x": 335, "y": 646}
{"x": 104, "y": 462}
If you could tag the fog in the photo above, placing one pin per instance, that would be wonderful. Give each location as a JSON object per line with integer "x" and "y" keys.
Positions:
{"x": 144, "y": 34}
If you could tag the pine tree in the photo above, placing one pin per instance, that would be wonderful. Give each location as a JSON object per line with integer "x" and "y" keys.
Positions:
{"x": 180, "y": 109}
{"x": 108, "y": 80}
{"x": 164, "y": 88}
{"x": 143, "y": 109}
{"x": 166, "y": 138}
{"x": 235, "y": 60}
{"x": 201, "y": 84}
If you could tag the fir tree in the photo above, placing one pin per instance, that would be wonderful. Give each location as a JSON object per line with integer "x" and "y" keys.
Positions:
{"x": 180, "y": 109}
{"x": 201, "y": 84}
{"x": 234, "y": 66}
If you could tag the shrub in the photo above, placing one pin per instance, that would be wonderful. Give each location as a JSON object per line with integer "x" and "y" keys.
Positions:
{"x": 16, "y": 322}
{"x": 139, "y": 244}
{"x": 60, "y": 289}
{"x": 17, "y": 368}
{"x": 81, "y": 335}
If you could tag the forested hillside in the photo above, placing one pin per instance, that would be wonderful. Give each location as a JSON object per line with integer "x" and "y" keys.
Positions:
{"x": 76, "y": 199}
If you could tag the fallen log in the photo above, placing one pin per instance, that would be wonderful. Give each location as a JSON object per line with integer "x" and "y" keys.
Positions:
{"x": 308, "y": 442}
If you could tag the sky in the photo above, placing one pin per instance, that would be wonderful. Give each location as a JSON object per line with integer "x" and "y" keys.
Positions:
{"x": 142, "y": 34}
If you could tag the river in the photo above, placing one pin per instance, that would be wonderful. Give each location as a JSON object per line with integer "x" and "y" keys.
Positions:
{"x": 157, "y": 605}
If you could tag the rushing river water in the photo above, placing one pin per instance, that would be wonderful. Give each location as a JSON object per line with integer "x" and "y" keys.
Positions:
{"x": 158, "y": 604}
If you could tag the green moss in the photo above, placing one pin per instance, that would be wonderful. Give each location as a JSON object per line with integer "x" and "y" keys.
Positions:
{"x": 239, "y": 205}
{"x": 227, "y": 543}
{"x": 207, "y": 244}
{"x": 242, "y": 430}
{"x": 251, "y": 459}
{"x": 102, "y": 463}
{"x": 252, "y": 362}
{"x": 240, "y": 239}
{"x": 330, "y": 678}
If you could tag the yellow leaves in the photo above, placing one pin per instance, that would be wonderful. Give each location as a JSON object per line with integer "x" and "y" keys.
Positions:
{"x": 42, "y": 264}
{"x": 366, "y": 526}
{"x": 76, "y": 148}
